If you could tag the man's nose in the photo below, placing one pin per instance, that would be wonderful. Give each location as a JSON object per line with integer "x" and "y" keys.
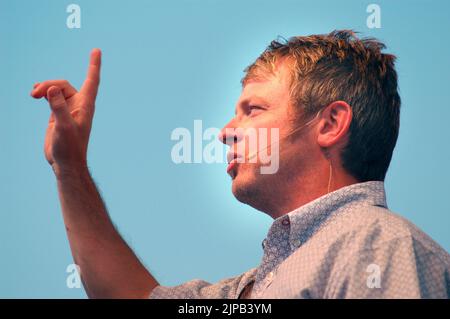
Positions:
{"x": 229, "y": 134}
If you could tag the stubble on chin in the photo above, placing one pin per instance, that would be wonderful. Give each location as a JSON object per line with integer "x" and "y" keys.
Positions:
{"x": 251, "y": 189}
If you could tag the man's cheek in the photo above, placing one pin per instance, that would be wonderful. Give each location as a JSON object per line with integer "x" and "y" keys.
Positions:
{"x": 269, "y": 153}
{"x": 273, "y": 165}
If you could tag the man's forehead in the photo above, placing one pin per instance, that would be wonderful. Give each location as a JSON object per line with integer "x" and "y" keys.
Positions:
{"x": 270, "y": 88}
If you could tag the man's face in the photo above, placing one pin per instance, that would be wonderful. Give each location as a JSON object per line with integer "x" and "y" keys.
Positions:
{"x": 265, "y": 104}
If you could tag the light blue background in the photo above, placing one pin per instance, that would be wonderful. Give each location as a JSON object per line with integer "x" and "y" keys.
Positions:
{"x": 167, "y": 63}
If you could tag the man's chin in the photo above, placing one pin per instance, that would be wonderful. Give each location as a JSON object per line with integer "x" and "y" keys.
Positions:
{"x": 244, "y": 189}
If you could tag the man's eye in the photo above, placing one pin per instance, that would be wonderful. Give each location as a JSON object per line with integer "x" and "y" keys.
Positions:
{"x": 254, "y": 109}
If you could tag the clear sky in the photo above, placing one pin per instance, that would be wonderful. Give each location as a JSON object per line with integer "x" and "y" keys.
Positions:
{"x": 166, "y": 64}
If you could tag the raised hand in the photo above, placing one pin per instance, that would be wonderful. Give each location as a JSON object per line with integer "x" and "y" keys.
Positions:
{"x": 70, "y": 122}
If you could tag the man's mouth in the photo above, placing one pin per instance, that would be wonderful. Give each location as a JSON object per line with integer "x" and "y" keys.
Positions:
{"x": 232, "y": 159}
{"x": 231, "y": 168}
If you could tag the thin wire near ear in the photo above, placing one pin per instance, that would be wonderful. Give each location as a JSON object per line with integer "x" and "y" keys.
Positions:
{"x": 330, "y": 178}
{"x": 304, "y": 125}
{"x": 251, "y": 156}
{"x": 330, "y": 174}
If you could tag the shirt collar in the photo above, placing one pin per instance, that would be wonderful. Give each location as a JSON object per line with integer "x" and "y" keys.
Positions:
{"x": 304, "y": 221}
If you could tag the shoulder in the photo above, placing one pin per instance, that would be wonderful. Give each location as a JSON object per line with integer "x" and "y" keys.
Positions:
{"x": 375, "y": 227}
{"x": 378, "y": 243}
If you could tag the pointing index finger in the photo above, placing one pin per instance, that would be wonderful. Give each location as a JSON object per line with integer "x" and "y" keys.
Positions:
{"x": 90, "y": 85}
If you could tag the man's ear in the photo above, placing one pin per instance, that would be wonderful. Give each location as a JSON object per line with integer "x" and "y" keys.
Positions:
{"x": 334, "y": 123}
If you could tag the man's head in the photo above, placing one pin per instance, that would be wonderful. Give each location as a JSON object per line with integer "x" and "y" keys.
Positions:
{"x": 352, "y": 87}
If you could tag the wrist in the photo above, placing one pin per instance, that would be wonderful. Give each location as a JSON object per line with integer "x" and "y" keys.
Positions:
{"x": 64, "y": 172}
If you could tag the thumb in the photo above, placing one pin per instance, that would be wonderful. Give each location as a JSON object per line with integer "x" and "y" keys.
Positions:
{"x": 58, "y": 105}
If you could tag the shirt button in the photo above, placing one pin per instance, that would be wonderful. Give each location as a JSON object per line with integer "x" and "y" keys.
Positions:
{"x": 296, "y": 242}
{"x": 263, "y": 244}
{"x": 286, "y": 222}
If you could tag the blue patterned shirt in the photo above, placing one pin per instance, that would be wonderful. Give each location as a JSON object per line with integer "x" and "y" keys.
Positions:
{"x": 345, "y": 244}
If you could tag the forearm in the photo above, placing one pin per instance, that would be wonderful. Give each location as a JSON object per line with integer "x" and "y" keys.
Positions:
{"x": 109, "y": 268}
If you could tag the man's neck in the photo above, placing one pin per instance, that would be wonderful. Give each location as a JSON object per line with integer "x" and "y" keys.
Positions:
{"x": 308, "y": 189}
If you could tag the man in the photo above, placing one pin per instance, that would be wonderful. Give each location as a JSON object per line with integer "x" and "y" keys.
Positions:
{"x": 334, "y": 100}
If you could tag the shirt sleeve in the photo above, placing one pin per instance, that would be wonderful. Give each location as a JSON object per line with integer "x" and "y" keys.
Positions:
{"x": 229, "y": 288}
{"x": 400, "y": 268}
